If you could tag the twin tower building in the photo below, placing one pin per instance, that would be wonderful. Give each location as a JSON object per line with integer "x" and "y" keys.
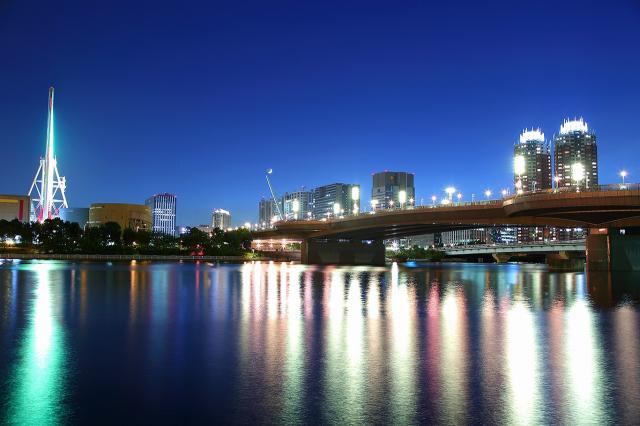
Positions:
{"x": 575, "y": 159}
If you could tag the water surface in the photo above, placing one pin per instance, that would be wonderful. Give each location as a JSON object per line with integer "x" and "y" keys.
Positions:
{"x": 176, "y": 343}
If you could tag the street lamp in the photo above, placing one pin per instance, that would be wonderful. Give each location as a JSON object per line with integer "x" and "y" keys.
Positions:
{"x": 295, "y": 206}
{"x": 402, "y": 197}
{"x": 519, "y": 169}
{"x": 374, "y": 203}
{"x": 577, "y": 174}
{"x": 459, "y": 197}
{"x": 391, "y": 203}
{"x": 355, "y": 196}
{"x": 557, "y": 181}
{"x": 450, "y": 191}
{"x": 487, "y": 193}
{"x": 623, "y": 175}
{"x": 504, "y": 192}
{"x": 336, "y": 209}
{"x": 433, "y": 200}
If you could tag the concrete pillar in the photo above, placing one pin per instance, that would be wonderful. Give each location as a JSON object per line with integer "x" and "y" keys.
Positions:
{"x": 342, "y": 252}
{"x": 613, "y": 249}
{"x": 502, "y": 257}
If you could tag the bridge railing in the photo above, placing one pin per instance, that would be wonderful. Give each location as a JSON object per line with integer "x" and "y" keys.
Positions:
{"x": 493, "y": 202}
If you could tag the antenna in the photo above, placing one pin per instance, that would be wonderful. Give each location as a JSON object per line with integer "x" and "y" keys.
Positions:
{"x": 273, "y": 195}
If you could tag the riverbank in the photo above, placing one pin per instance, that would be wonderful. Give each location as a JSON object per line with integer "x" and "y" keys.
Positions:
{"x": 128, "y": 257}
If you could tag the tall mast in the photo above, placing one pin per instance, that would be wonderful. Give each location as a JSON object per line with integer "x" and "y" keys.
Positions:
{"x": 48, "y": 184}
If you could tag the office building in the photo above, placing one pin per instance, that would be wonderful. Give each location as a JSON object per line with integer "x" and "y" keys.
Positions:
{"x": 336, "y": 197}
{"x": 134, "y": 216}
{"x": 221, "y": 219}
{"x": 163, "y": 213}
{"x": 532, "y": 162}
{"x": 79, "y": 215}
{"x": 576, "y": 156}
{"x": 392, "y": 189}
{"x": 463, "y": 237}
{"x": 266, "y": 211}
{"x": 15, "y": 207}
{"x": 297, "y": 205}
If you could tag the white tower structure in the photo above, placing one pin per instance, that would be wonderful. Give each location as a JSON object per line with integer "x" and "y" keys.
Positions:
{"x": 48, "y": 188}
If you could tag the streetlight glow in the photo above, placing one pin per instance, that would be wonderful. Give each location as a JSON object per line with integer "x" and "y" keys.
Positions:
{"x": 519, "y": 165}
{"x": 355, "y": 193}
{"x": 402, "y": 197}
{"x": 487, "y": 193}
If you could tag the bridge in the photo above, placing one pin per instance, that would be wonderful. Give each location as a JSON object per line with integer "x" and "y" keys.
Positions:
{"x": 612, "y": 216}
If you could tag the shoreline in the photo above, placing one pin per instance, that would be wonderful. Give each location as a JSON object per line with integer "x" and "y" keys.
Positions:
{"x": 126, "y": 257}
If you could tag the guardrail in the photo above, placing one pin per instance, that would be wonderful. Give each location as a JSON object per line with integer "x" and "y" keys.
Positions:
{"x": 493, "y": 202}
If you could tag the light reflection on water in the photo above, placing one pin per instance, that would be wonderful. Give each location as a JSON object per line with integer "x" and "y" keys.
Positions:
{"x": 275, "y": 342}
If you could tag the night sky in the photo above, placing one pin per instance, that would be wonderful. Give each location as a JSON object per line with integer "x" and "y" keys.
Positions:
{"x": 200, "y": 99}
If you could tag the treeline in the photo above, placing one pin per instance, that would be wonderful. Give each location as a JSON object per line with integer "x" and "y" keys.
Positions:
{"x": 415, "y": 252}
{"x": 58, "y": 236}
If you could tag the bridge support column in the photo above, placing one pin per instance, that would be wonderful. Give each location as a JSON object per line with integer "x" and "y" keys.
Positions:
{"x": 502, "y": 257}
{"x": 342, "y": 252}
{"x": 565, "y": 261}
{"x": 613, "y": 249}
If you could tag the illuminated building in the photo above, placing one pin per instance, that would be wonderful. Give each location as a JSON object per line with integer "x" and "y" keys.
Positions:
{"x": 325, "y": 198}
{"x": 14, "y": 207}
{"x": 163, "y": 213}
{"x": 221, "y": 218}
{"x": 134, "y": 216}
{"x": 576, "y": 156}
{"x": 388, "y": 186}
{"x": 465, "y": 237}
{"x": 532, "y": 161}
{"x": 297, "y": 205}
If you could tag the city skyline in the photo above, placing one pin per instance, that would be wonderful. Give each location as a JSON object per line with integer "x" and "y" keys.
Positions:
{"x": 387, "y": 96}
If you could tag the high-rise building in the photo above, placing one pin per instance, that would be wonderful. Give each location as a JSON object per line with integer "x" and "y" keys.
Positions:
{"x": 576, "y": 156}
{"x": 532, "y": 161}
{"x": 266, "y": 211}
{"x": 297, "y": 205}
{"x": 163, "y": 213}
{"x": 391, "y": 189}
{"x": 221, "y": 219}
{"x": 336, "y": 197}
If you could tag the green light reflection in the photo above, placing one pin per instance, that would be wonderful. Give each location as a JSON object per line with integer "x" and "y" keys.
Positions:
{"x": 38, "y": 382}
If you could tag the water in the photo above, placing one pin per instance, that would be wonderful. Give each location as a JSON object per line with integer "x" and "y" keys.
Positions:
{"x": 279, "y": 343}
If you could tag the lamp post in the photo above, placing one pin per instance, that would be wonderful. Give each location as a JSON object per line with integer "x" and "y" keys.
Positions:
{"x": 374, "y": 203}
{"x": 295, "y": 206}
{"x": 577, "y": 174}
{"x": 519, "y": 169}
{"x": 623, "y": 175}
{"x": 556, "y": 179}
{"x": 355, "y": 197}
{"x": 459, "y": 197}
{"x": 433, "y": 200}
{"x": 487, "y": 193}
{"x": 402, "y": 198}
{"x": 336, "y": 209}
{"x": 450, "y": 191}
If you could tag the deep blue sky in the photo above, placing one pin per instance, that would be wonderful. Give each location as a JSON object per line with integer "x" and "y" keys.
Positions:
{"x": 199, "y": 99}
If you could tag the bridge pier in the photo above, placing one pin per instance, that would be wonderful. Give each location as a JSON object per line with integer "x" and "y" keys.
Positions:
{"x": 342, "y": 252}
{"x": 613, "y": 249}
{"x": 565, "y": 261}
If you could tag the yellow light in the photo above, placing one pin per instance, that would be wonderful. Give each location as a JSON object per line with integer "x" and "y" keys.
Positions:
{"x": 355, "y": 193}
{"x": 402, "y": 196}
{"x": 519, "y": 164}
